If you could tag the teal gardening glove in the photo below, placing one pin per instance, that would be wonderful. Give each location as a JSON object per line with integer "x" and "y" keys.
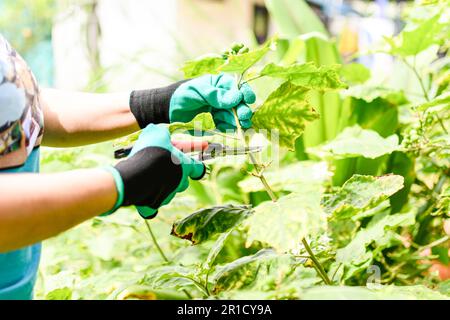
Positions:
{"x": 154, "y": 172}
{"x": 182, "y": 101}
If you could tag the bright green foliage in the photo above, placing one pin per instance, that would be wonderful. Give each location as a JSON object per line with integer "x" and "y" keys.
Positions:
{"x": 437, "y": 104}
{"x": 202, "y": 122}
{"x": 143, "y": 292}
{"x": 236, "y": 63}
{"x": 377, "y": 293}
{"x": 242, "y": 272}
{"x": 307, "y": 75}
{"x": 360, "y": 193}
{"x": 355, "y": 73}
{"x": 204, "y": 224}
{"x": 294, "y": 177}
{"x": 283, "y": 224}
{"x": 411, "y": 42}
{"x": 202, "y": 66}
{"x": 215, "y": 250}
{"x": 286, "y": 110}
{"x": 355, "y": 252}
{"x": 242, "y": 62}
{"x": 355, "y": 141}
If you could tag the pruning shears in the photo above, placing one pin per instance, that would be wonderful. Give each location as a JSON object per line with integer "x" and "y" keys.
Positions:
{"x": 204, "y": 150}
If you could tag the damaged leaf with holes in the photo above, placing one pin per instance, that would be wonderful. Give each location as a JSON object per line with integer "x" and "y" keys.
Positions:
{"x": 204, "y": 224}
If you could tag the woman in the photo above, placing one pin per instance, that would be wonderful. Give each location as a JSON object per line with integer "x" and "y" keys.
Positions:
{"x": 34, "y": 207}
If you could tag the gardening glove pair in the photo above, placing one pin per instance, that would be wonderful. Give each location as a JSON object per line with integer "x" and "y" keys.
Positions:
{"x": 154, "y": 172}
{"x": 182, "y": 101}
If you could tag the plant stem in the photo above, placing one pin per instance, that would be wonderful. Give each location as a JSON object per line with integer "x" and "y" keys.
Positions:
{"x": 155, "y": 242}
{"x": 272, "y": 195}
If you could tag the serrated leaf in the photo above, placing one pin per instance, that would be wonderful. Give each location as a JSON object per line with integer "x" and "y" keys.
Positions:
{"x": 307, "y": 75}
{"x": 291, "y": 178}
{"x": 360, "y": 193}
{"x": 287, "y": 110}
{"x": 206, "y": 65}
{"x": 411, "y": 42}
{"x": 355, "y": 73}
{"x": 364, "y": 293}
{"x": 283, "y": 224}
{"x": 355, "y": 251}
{"x": 206, "y": 223}
{"x": 242, "y": 62}
{"x": 241, "y": 272}
{"x": 202, "y": 122}
{"x": 357, "y": 142}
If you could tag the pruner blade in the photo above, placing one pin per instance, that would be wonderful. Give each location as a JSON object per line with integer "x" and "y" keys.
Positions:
{"x": 216, "y": 150}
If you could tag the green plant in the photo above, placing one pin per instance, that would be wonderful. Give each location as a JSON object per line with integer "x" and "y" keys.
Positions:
{"x": 365, "y": 206}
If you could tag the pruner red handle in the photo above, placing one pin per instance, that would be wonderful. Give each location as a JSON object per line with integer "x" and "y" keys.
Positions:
{"x": 191, "y": 146}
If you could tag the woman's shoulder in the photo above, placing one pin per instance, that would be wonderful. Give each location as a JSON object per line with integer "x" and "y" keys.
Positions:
{"x": 21, "y": 118}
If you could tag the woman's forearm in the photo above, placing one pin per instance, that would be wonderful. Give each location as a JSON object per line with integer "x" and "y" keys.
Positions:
{"x": 75, "y": 119}
{"x": 34, "y": 207}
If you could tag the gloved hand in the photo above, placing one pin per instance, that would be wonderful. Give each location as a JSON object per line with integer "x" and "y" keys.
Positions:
{"x": 154, "y": 172}
{"x": 182, "y": 101}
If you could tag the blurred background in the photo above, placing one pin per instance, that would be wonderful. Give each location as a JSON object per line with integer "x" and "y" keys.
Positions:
{"x": 101, "y": 45}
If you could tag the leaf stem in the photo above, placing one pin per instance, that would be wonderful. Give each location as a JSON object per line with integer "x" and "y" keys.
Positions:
{"x": 155, "y": 242}
{"x": 317, "y": 263}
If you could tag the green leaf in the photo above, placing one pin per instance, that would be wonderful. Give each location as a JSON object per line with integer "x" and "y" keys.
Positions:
{"x": 360, "y": 193}
{"x": 307, "y": 75}
{"x": 444, "y": 287}
{"x": 437, "y": 104}
{"x": 364, "y": 293}
{"x": 369, "y": 93}
{"x": 241, "y": 272}
{"x": 140, "y": 292}
{"x": 293, "y": 177}
{"x": 411, "y": 42}
{"x": 355, "y": 251}
{"x": 202, "y": 122}
{"x": 206, "y": 223}
{"x": 355, "y": 142}
{"x": 206, "y": 65}
{"x": 284, "y": 223}
{"x": 242, "y": 62}
{"x": 286, "y": 110}
{"x": 60, "y": 294}
{"x": 169, "y": 277}
{"x": 355, "y": 73}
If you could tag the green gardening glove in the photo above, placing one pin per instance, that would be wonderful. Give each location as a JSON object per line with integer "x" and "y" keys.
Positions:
{"x": 217, "y": 94}
{"x": 182, "y": 101}
{"x": 155, "y": 172}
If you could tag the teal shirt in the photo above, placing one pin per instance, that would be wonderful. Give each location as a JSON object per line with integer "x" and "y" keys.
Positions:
{"x": 18, "y": 269}
{"x": 21, "y": 132}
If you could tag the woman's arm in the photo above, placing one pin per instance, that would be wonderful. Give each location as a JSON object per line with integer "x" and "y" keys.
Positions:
{"x": 34, "y": 207}
{"x": 75, "y": 119}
